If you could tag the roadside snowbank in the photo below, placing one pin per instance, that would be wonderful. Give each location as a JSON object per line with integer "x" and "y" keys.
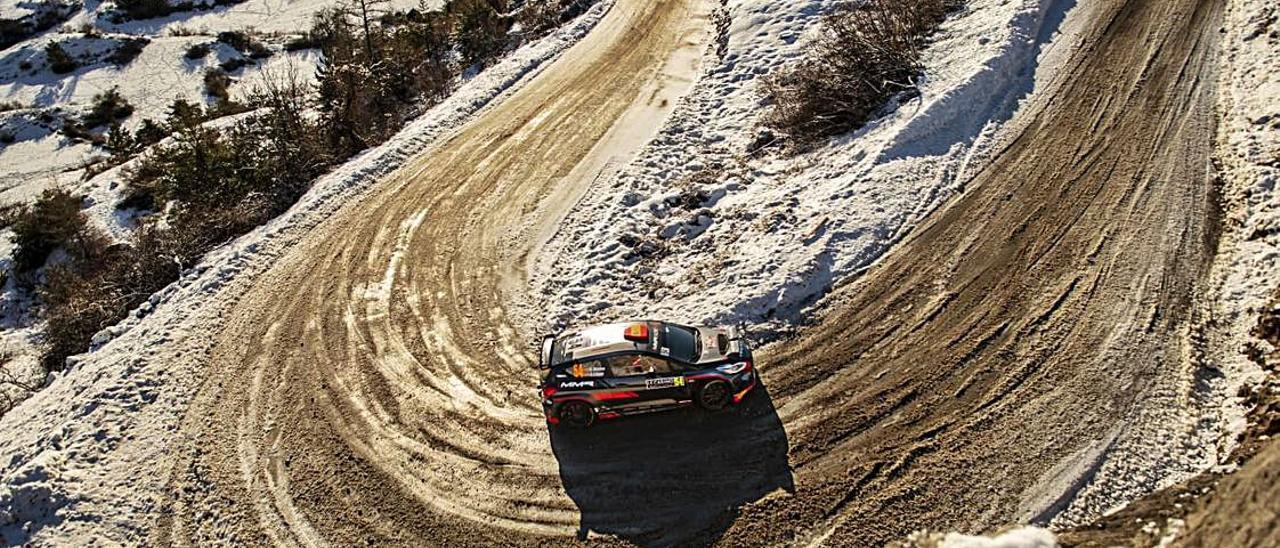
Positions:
{"x": 698, "y": 229}
{"x": 84, "y": 459}
{"x": 1025, "y": 537}
{"x": 1022, "y": 537}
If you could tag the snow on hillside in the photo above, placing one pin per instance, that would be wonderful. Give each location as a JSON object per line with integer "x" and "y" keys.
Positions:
{"x": 151, "y": 82}
{"x": 699, "y": 229}
{"x": 71, "y": 454}
{"x": 266, "y": 16}
{"x": 160, "y": 73}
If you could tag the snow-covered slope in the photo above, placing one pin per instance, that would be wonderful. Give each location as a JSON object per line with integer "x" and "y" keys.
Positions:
{"x": 700, "y": 229}
{"x": 150, "y": 82}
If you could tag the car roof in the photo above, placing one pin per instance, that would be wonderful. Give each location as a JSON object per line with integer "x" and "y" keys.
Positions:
{"x": 600, "y": 340}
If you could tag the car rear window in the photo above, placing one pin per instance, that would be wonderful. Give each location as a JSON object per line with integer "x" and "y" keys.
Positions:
{"x": 682, "y": 342}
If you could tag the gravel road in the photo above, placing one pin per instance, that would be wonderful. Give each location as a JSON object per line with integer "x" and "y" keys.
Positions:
{"x": 372, "y": 388}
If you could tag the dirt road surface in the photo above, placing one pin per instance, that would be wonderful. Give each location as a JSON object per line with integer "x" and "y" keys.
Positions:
{"x": 372, "y": 388}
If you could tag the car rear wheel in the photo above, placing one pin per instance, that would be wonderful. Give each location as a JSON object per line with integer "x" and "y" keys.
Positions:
{"x": 577, "y": 414}
{"x": 714, "y": 395}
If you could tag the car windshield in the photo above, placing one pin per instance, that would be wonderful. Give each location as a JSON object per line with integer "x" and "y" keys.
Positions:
{"x": 682, "y": 342}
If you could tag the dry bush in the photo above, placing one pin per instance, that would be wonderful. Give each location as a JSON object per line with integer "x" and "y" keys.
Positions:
{"x": 216, "y": 84}
{"x": 864, "y": 55}
{"x": 99, "y": 288}
{"x": 198, "y": 51}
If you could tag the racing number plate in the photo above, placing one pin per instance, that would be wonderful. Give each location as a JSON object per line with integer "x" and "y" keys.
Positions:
{"x": 665, "y": 382}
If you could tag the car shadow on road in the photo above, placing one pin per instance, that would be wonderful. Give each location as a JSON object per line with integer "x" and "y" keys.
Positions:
{"x": 673, "y": 477}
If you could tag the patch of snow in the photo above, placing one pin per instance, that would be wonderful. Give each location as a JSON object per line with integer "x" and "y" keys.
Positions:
{"x": 267, "y": 16}
{"x": 101, "y": 429}
{"x": 1022, "y": 537}
{"x": 1025, "y": 537}
{"x": 698, "y": 229}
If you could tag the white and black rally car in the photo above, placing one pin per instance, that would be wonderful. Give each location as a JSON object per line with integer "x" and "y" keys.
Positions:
{"x": 609, "y": 371}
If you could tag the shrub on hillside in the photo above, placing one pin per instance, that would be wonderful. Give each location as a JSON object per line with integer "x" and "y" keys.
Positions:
{"x": 52, "y": 222}
{"x": 865, "y": 54}
{"x": 537, "y": 18}
{"x": 237, "y": 39}
{"x": 245, "y": 43}
{"x": 144, "y": 9}
{"x": 98, "y": 289}
{"x": 60, "y": 62}
{"x": 272, "y": 156}
{"x": 198, "y": 51}
{"x": 149, "y": 133}
{"x": 108, "y": 107}
{"x": 481, "y": 33}
{"x": 127, "y": 51}
{"x": 368, "y": 83}
{"x": 216, "y": 84}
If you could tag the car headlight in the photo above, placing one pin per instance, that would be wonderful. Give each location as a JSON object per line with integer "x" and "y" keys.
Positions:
{"x": 734, "y": 368}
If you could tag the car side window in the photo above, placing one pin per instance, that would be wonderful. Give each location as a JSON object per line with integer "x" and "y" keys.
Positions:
{"x": 583, "y": 370}
{"x": 637, "y": 364}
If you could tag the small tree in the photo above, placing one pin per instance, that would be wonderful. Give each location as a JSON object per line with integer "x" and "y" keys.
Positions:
{"x": 108, "y": 106}
{"x": 184, "y": 114}
{"x": 482, "y": 29}
{"x": 149, "y": 133}
{"x": 60, "y": 62}
{"x": 120, "y": 143}
{"x": 52, "y": 222}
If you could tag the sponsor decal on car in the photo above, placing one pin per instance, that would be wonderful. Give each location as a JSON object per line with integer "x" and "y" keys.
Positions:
{"x": 579, "y": 371}
{"x": 578, "y": 384}
{"x": 664, "y": 382}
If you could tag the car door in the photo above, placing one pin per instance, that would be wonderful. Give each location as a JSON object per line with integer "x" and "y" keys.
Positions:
{"x": 655, "y": 378}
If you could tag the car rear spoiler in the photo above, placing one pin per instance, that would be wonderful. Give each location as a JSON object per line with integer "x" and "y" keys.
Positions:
{"x": 544, "y": 356}
{"x": 737, "y": 341}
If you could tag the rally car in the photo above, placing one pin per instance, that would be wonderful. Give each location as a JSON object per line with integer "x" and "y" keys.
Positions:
{"x": 609, "y": 371}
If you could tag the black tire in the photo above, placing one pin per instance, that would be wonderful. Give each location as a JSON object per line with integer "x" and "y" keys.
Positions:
{"x": 577, "y": 414}
{"x": 715, "y": 395}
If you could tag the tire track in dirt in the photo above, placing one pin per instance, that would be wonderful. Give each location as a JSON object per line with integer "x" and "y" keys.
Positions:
{"x": 372, "y": 388}
{"x": 1028, "y": 318}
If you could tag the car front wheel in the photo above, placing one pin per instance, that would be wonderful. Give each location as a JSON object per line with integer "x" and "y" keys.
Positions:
{"x": 714, "y": 395}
